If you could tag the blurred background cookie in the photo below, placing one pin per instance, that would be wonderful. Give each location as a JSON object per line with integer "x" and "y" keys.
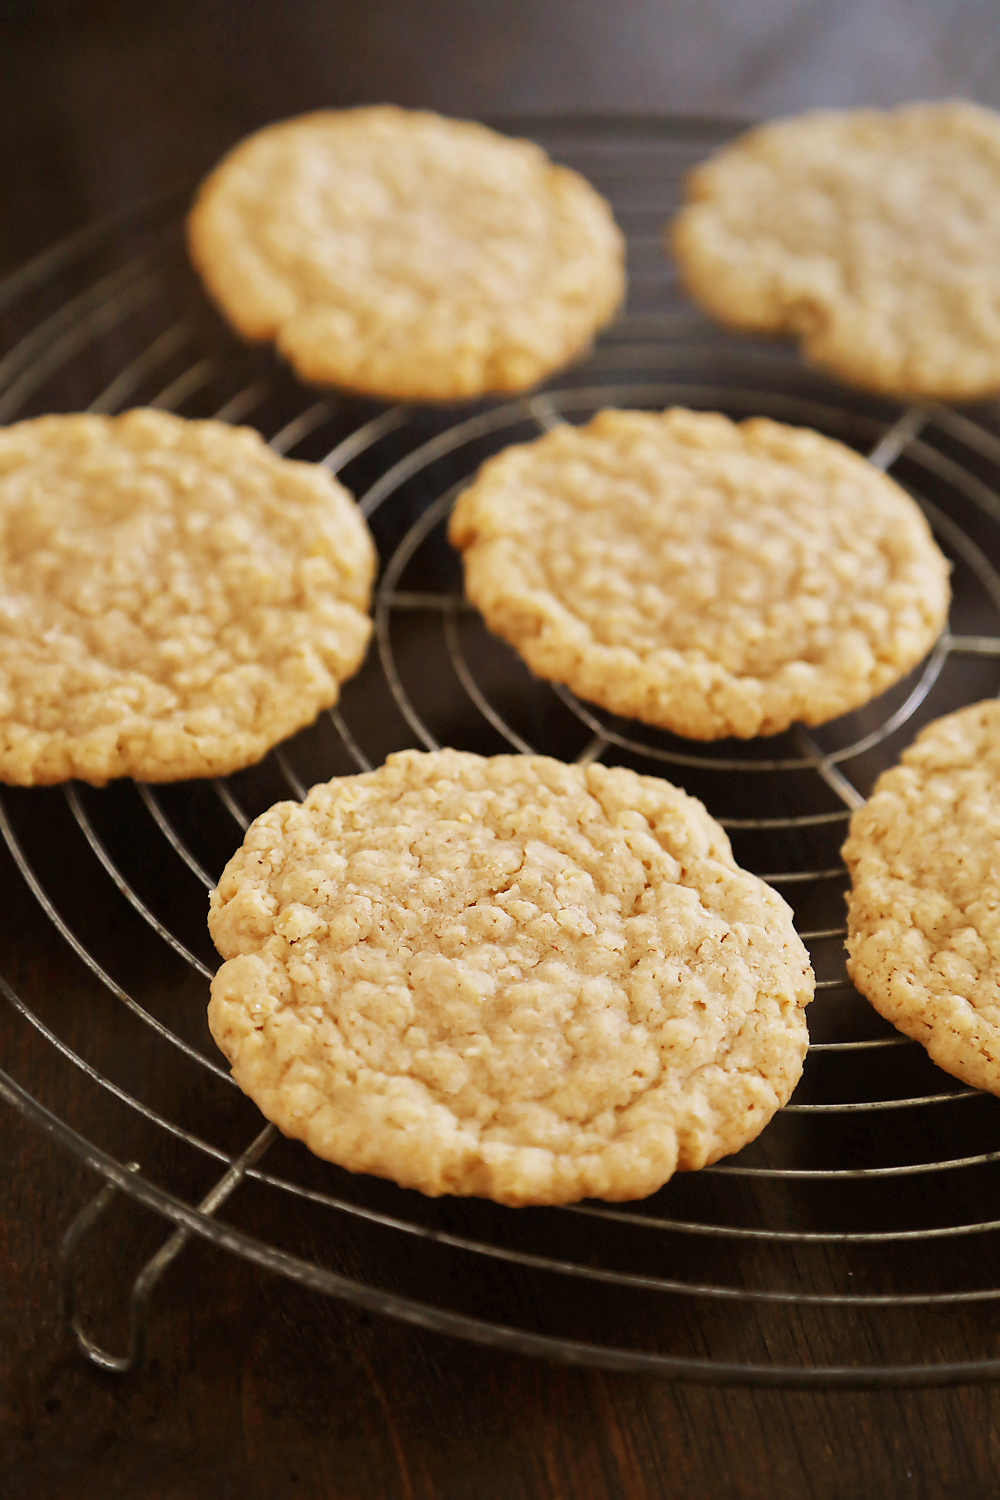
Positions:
{"x": 873, "y": 237}
{"x": 405, "y": 255}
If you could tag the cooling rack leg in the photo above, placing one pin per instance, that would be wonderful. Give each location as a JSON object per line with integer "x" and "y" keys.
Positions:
{"x": 121, "y": 1364}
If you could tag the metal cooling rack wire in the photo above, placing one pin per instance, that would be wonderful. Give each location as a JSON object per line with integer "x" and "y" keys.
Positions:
{"x": 106, "y": 305}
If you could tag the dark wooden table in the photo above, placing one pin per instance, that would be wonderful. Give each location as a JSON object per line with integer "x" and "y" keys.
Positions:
{"x": 255, "y": 1387}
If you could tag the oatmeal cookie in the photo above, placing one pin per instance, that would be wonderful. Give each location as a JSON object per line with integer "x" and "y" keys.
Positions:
{"x": 873, "y": 237}
{"x": 923, "y": 923}
{"x": 710, "y": 578}
{"x": 405, "y": 255}
{"x": 174, "y": 598}
{"x": 506, "y": 977}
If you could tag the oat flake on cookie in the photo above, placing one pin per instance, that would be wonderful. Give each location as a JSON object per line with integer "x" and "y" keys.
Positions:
{"x": 704, "y": 576}
{"x": 174, "y": 598}
{"x": 405, "y": 255}
{"x": 872, "y": 237}
{"x": 506, "y": 977}
{"x": 923, "y": 921}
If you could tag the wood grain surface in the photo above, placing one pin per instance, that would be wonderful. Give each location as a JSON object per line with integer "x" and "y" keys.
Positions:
{"x": 253, "y": 1387}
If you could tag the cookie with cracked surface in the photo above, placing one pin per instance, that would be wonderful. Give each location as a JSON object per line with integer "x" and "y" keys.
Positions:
{"x": 405, "y": 255}
{"x": 707, "y": 577}
{"x": 872, "y": 237}
{"x": 923, "y": 922}
{"x": 174, "y": 598}
{"x": 506, "y": 977}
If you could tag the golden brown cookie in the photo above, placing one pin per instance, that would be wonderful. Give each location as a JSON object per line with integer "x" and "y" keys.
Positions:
{"x": 873, "y": 237}
{"x": 923, "y": 922}
{"x": 506, "y": 977}
{"x": 174, "y": 598}
{"x": 706, "y": 577}
{"x": 405, "y": 255}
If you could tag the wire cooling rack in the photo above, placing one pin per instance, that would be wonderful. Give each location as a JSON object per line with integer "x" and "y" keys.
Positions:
{"x": 863, "y": 1221}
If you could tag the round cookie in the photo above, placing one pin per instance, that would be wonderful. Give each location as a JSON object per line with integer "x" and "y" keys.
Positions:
{"x": 923, "y": 921}
{"x": 506, "y": 977}
{"x": 405, "y": 255}
{"x": 706, "y": 577}
{"x": 174, "y": 598}
{"x": 873, "y": 237}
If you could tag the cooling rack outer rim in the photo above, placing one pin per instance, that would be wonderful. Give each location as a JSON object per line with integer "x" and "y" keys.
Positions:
{"x": 474, "y": 1330}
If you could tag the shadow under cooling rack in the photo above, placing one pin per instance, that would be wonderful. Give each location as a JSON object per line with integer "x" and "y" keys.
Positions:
{"x": 856, "y": 1242}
